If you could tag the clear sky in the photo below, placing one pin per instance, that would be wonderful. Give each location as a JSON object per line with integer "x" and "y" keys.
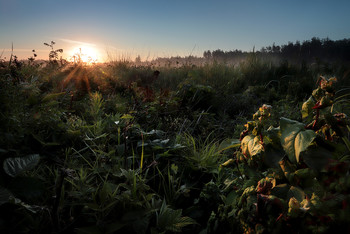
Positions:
{"x": 163, "y": 28}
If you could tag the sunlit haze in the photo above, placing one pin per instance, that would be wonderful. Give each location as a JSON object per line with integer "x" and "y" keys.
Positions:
{"x": 85, "y": 54}
{"x": 125, "y": 29}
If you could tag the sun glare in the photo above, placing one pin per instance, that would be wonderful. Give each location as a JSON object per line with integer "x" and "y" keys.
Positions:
{"x": 83, "y": 54}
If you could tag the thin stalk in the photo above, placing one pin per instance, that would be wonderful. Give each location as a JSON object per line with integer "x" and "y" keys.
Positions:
{"x": 133, "y": 158}
{"x": 316, "y": 119}
{"x": 10, "y": 62}
{"x": 142, "y": 151}
{"x": 58, "y": 194}
{"x": 118, "y": 135}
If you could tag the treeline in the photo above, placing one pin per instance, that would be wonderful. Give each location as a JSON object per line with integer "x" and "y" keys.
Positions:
{"x": 308, "y": 50}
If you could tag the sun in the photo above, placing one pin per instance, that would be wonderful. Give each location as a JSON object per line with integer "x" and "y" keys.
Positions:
{"x": 84, "y": 54}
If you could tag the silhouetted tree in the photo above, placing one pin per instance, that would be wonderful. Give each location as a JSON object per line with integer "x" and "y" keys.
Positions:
{"x": 307, "y": 51}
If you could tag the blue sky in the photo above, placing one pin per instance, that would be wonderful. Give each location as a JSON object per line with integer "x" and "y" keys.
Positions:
{"x": 155, "y": 28}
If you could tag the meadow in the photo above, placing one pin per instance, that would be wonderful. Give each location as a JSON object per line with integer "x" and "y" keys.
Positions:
{"x": 256, "y": 146}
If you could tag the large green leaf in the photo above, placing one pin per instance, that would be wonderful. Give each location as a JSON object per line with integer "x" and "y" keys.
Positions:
{"x": 281, "y": 190}
{"x": 295, "y": 138}
{"x": 273, "y": 149}
{"x": 273, "y": 135}
{"x": 316, "y": 157}
{"x": 273, "y": 155}
{"x": 285, "y": 191}
{"x": 296, "y": 192}
{"x": 15, "y": 166}
{"x": 251, "y": 145}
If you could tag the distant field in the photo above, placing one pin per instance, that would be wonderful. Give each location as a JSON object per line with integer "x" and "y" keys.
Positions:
{"x": 256, "y": 143}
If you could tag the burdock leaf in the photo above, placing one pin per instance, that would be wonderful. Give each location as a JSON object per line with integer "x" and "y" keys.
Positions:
{"x": 317, "y": 157}
{"x": 15, "y": 166}
{"x": 295, "y": 138}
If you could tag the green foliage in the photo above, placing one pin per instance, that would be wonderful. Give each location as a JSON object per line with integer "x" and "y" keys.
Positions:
{"x": 15, "y": 166}
{"x": 295, "y": 138}
{"x": 96, "y": 106}
{"x": 294, "y": 191}
{"x": 203, "y": 156}
{"x": 120, "y": 153}
{"x": 171, "y": 220}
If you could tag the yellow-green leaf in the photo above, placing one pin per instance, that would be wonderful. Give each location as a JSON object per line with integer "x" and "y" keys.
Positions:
{"x": 295, "y": 138}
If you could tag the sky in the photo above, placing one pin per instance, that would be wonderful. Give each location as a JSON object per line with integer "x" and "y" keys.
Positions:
{"x": 124, "y": 29}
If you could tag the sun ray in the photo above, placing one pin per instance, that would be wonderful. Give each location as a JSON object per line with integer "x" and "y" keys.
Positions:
{"x": 78, "y": 79}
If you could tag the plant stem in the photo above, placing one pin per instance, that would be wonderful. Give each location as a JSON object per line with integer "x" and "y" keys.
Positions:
{"x": 58, "y": 193}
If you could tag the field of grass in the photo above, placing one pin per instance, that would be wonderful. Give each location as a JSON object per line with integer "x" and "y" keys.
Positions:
{"x": 212, "y": 148}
